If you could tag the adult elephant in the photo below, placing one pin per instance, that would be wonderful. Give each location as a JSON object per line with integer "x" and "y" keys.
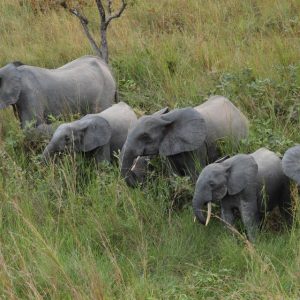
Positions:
{"x": 98, "y": 135}
{"x": 183, "y": 136}
{"x": 291, "y": 163}
{"x": 251, "y": 184}
{"x": 84, "y": 85}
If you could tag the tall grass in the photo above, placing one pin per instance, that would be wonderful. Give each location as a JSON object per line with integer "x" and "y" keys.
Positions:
{"x": 74, "y": 230}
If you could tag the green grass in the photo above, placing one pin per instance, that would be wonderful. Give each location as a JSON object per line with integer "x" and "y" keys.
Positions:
{"x": 73, "y": 230}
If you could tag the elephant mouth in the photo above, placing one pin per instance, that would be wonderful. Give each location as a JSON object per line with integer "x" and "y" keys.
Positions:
{"x": 208, "y": 215}
{"x": 135, "y": 162}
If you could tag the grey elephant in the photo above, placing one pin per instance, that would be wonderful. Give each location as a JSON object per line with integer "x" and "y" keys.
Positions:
{"x": 291, "y": 163}
{"x": 83, "y": 86}
{"x": 183, "y": 136}
{"x": 98, "y": 135}
{"x": 250, "y": 183}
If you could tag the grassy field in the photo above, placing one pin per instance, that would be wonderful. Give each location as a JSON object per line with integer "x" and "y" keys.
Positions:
{"x": 73, "y": 230}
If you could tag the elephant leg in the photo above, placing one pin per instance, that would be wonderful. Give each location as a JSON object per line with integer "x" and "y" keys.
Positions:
{"x": 200, "y": 157}
{"x": 30, "y": 113}
{"x": 16, "y": 112}
{"x": 213, "y": 153}
{"x": 102, "y": 153}
{"x": 180, "y": 163}
{"x": 227, "y": 214}
{"x": 250, "y": 217}
{"x": 27, "y": 121}
{"x": 189, "y": 163}
{"x": 286, "y": 207}
{"x": 195, "y": 161}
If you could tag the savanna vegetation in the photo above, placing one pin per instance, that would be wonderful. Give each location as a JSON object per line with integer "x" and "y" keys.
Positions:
{"x": 74, "y": 230}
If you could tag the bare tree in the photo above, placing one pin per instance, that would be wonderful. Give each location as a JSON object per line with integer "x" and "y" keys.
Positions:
{"x": 106, "y": 16}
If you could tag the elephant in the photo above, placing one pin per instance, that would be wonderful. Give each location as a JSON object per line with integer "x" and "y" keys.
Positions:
{"x": 291, "y": 163}
{"x": 183, "y": 136}
{"x": 250, "y": 183}
{"x": 97, "y": 135}
{"x": 83, "y": 86}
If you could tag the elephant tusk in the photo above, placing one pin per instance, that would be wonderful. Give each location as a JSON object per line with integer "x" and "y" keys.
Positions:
{"x": 208, "y": 213}
{"x": 133, "y": 166}
{"x": 194, "y": 219}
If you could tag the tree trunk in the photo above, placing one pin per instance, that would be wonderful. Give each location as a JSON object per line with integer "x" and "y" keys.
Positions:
{"x": 104, "y": 46}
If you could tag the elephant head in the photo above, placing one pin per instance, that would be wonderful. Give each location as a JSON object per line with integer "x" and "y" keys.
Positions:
{"x": 10, "y": 84}
{"x": 83, "y": 135}
{"x": 217, "y": 180}
{"x": 291, "y": 163}
{"x": 164, "y": 133}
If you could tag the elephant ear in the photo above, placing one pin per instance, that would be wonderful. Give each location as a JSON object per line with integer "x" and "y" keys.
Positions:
{"x": 291, "y": 163}
{"x": 96, "y": 132}
{"x": 242, "y": 170}
{"x": 185, "y": 131}
{"x": 10, "y": 85}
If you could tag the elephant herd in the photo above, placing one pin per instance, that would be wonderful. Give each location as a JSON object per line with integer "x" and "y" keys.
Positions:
{"x": 249, "y": 184}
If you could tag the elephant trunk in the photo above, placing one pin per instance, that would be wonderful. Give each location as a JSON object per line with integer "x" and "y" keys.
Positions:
{"x": 48, "y": 153}
{"x": 127, "y": 161}
{"x": 199, "y": 202}
{"x": 198, "y": 212}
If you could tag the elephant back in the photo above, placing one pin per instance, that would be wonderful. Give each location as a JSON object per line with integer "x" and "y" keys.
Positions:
{"x": 83, "y": 86}
{"x": 223, "y": 119}
{"x": 120, "y": 117}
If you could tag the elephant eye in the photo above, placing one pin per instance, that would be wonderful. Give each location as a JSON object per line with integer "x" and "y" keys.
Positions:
{"x": 67, "y": 138}
{"x": 146, "y": 137}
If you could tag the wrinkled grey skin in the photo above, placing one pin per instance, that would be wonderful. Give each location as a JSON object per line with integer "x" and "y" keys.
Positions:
{"x": 291, "y": 163}
{"x": 183, "y": 136}
{"x": 240, "y": 183}
{"x": 84, "y": 85}
{"x": 97, "y": 134}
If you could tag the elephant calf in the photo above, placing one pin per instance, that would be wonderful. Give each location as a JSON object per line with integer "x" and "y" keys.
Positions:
{"x": 99, "y": 134}
{"x": 291, "y": 163}
{"x": 252, "y": 184}
{"x": 183, "y": 136}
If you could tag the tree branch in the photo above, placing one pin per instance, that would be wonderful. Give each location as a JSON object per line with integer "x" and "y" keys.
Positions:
{"x": 101, "y": 12}
{"x": 105, "y": 19}
{"x": 109, "y": 4}
{"x": 84, "y": 22}
{"x": 117, "y": 14}
{"x": 81, "y": 17}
